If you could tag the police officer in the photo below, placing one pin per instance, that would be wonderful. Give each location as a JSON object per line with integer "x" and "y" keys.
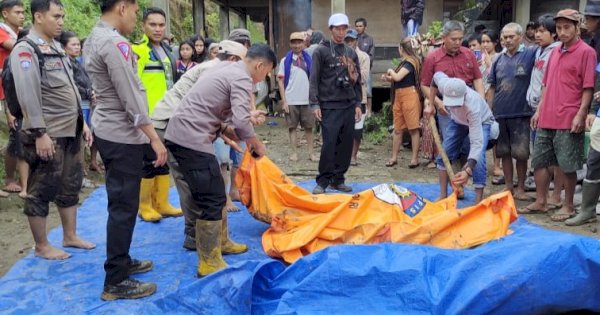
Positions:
{"x": 156, "y": 69}
{"x": 122, "y": 129}
{"x": 54, "y": 127}
{"x": 229, "y": 51}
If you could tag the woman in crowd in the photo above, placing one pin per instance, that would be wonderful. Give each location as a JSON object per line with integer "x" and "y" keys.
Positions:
{"x": 186, "y": 58}
{"x": 200, "y": 48}
{"x": 407, "y": 102}
{"x": 72, "y": 46}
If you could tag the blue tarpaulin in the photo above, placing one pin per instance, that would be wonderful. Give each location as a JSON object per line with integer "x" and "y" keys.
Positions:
{"x": 534, "y": 270}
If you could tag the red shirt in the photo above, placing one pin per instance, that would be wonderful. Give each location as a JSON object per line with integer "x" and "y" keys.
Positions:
{"x": 4, "y": 53}
{"x": 463, "y": 65}
{"x": 569, "y": 72}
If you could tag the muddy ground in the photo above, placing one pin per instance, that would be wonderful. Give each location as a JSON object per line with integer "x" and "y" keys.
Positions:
{"x": 16, "y": 240}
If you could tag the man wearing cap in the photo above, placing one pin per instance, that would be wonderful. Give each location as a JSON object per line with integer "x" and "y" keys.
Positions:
{"x": 293, "y": 74}
{"x": 562, "y": 116}
{"x": 469, "y": 116}
{"x": 592, "y": 22}
{"x": 365, "y": 67}
{"x": 229, "y": 51}
{"x": 509, "y": 79}
{"x": 242, "y": 36}
{"x": 335, "y": 97}
{"x": 221, "y": 94}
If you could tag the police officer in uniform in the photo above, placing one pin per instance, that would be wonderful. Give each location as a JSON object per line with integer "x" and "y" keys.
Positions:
{"x": 156, "y": 69}
{"x": 122, "y": 129}
{"x": 53, "y": 126}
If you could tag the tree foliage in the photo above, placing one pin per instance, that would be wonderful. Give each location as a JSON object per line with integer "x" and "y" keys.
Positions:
{"x": 82, "y": 15}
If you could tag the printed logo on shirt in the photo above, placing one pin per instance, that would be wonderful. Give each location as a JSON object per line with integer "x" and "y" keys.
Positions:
{"x": 25, "y": 60}
{"x": 539, "y": 64}
{"x": 124, "y": 49}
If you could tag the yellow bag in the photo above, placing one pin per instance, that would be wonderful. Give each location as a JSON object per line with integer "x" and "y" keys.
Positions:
{"x": 302, "y": 223}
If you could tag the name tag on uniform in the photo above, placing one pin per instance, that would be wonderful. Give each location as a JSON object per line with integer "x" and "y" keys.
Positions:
{"x": 53, "y": 65}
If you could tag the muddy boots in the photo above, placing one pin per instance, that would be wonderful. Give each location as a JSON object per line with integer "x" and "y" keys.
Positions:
{"x": 208, "y": 247}
{"x": 160, "y": 197}
{"x": 587, "y": 211}
{"x": 227, "y": 245}
{"x": 147, "y": 212}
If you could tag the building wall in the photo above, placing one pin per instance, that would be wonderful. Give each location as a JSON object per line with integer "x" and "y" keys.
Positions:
{"x": 383, "y": 17}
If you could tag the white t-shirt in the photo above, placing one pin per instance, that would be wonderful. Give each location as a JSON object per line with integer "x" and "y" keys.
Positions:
{"x": 296, "y": 92}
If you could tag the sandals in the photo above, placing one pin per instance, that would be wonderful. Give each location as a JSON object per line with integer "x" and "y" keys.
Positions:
{"x": 528, "y": 210}
{"x": 391, "y": 163}
{"x": 561, "y": 217}
{"x": 413, "y": 165}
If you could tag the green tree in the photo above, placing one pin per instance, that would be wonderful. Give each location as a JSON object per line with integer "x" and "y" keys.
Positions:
{"x": 82, "y": 15}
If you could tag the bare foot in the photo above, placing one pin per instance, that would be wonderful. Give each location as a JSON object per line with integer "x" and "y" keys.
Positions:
{"x": 294, "y": 157}
{"x": 52, "y": 253}
{"x": 231, "y": 207}
{"x": 4, "y": 194}
{"x": 534, "y": 207}
{"x": 23, "y": 194}
{"x": 313, "y": 158}
{"x": 234, "y": 195}
{"x": 554, "y": 202}
{"x": 563, "y": 214}
{"x": 96, "y": 168}
{"x": 78, "y": 243}
{"x": 498, "y": 172}
{"x": 523, "y": 196}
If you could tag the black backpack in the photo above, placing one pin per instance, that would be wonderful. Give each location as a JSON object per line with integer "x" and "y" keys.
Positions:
{"x": 8, "y": 81}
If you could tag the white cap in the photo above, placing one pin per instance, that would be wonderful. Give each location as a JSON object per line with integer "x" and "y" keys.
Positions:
{"x": 230, "y": 47}
{"x": 338, "y": 19}
{"x": 453, "y": 89}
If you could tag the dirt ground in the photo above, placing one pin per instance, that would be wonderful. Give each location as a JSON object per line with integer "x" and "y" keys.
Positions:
{"x": 16, "y": 240}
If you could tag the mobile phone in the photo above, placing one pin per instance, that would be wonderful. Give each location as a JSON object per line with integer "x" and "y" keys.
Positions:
{"x": 477, "y": 54}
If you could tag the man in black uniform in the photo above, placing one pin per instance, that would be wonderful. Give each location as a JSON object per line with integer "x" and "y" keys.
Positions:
{"x": 335, "y": 97}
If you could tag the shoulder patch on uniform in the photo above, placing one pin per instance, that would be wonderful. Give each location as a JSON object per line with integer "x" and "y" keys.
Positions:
{"x": 25, "y": 58}
{"x": 125, "y": 49}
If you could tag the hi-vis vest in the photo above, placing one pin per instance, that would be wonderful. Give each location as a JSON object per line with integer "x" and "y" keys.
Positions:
{"x": 156, "y": 75}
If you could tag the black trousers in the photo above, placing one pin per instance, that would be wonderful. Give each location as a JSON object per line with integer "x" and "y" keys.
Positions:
{"x": 123, "y": 163}
{"x": 149, "y": 171}
{"x": 337, "y": 128}
{"x": 202, "y": 173}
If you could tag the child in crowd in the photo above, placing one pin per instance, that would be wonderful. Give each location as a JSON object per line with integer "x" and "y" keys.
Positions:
{"x": 186, "y": 58}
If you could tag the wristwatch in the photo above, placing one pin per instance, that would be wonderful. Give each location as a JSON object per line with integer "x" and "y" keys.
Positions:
{"x": 37, "y": 132}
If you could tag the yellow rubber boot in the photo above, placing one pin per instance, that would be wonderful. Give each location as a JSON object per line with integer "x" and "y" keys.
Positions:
{"x": 227, "y": 245}
{"x": 160, "y": 197}
{"x": 208, "y": 247}
{"x": 147, "y": 213}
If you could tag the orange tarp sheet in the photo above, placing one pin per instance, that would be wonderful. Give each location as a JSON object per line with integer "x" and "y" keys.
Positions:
{"x": 302, "y": 223}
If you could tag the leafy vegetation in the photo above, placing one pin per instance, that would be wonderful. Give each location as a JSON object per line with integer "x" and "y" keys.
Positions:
{"x": 82, "y": 15}
{"x": 435, "y": 28}
{"x": 377, "y": 127}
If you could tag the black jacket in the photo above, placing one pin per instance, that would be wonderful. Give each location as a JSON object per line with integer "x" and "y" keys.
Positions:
{"x": 413, "y": 9}
{"x": 326, "y": 89}
{"x": 82, "y": 80}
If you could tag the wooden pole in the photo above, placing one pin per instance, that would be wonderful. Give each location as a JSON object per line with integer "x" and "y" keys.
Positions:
{"x": 438, "y": 143}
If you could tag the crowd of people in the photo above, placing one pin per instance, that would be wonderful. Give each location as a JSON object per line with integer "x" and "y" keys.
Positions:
{"x": 152, "y": 112}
